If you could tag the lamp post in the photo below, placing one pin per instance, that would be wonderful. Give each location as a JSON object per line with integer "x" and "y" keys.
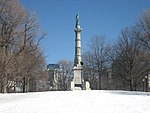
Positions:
{"x": 143, "y": 84}
{"x": 146, "y": 83}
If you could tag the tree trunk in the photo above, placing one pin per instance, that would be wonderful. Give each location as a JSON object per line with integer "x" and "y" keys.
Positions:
{"x": 24, "y": 84}
{"x": 99, "y": 81}
{"x": 135, "y": 86}
{"x": 131, "y": 84}
{"x": 124, "y": 85}
{"x": 99, "y": 74}
{"x": 4, "y": 85}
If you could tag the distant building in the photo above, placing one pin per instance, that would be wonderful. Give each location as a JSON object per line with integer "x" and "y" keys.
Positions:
{"x": 53, "y": 76}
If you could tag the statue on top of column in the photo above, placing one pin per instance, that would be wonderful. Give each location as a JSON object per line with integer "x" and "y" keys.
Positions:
{"x": 77, "y": 20}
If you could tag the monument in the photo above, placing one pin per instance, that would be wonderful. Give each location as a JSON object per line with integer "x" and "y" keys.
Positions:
{"x": 78, "y": 82}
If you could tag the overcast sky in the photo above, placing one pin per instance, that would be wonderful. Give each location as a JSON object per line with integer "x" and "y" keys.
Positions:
{"x": 97, "y": 17}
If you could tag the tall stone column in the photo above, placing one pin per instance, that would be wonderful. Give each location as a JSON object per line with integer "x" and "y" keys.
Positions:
{"x": 78, "y": 29}
{"x": 78, "y": 83}
{"x": 77, "y": 70}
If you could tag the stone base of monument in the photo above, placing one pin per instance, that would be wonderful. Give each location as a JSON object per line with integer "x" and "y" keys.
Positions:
{"x": 78, "y": 82}
{"x": 86, "y": 85}
{"x": 83, "y": 86}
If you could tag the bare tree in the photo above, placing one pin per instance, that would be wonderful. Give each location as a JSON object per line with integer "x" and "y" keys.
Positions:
{"x": 19, "y": 43}
{"x": 143, "y": 29}
{"x": 11, "y": 15}
{"x": 65, "y": 73}
{"x": 130, "y": 61}
{"x": 96, "y": 57}
{"x": 89, "y": 69}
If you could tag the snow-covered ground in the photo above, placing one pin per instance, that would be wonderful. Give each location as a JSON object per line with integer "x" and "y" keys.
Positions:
{"x": 76, "y": 102}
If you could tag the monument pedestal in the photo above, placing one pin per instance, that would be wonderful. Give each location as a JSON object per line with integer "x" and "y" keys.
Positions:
{"x": 78, "y": 82}
{"x": 85, "y": 86}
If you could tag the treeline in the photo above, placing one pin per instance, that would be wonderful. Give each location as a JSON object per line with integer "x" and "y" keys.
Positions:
{"x": 124, "y": 65}
{"x": 21, "y": 60}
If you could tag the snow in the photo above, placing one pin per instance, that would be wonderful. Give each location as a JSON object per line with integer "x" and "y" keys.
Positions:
{"x": 76, "y": 102}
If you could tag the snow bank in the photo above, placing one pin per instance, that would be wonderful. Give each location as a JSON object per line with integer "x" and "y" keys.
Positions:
{"x": 76, "y": 102}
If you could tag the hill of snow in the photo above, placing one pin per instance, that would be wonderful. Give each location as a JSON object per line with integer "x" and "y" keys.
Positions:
{"x": 76, "y": 102}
